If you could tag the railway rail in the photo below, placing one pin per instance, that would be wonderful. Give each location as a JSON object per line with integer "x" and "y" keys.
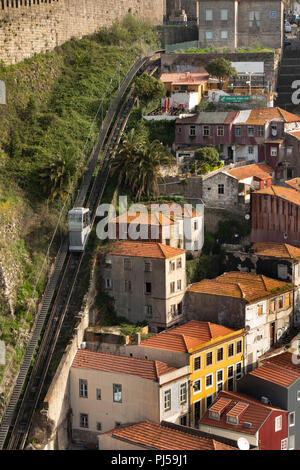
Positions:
{"x": 17, "y": 419}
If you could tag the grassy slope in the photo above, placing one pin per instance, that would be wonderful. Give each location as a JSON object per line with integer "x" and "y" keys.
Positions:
{"x": 51, "y": 103}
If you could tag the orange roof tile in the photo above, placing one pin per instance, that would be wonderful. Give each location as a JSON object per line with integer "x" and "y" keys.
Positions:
{"x": 115, "y": 363}
{"x": 258, "y": 170}
{"x": 256, "y": 413}
{"x": 287, "y": 194}
{"x": 260, "y": 115}
{"x": 247, "y": 286}
{"x": 185, "y": 78}
{"x": 295, "y": 182}
{"x": 295, "y": 133}
{"x": 144, "y": 249}
{"x": 279, "y": 369}
{"x": 185, "y": 337}
{"x": 143, "y": 218}
{"x": 156, "y": 436}
{"x": 277, "y": 250}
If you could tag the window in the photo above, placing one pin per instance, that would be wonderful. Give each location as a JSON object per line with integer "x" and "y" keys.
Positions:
{"x": 183, "y": 420}
{"x": 220, "y": 380}
{"x": 220, "y": 131}
{"x": 254, "y": 19}
{"x": 148, "y": 287}
{"x": 117, "y": 424}
{"x": 272, "y": 306}
{"x": 84, "y": 420}
{"x": 99, "y": 426}
{"x": 173, "y": 310}
{"x": 230, "y": 379}
{"x": 224, "y": 34}
{"x": 298, "y": 395}
{"x": 278, "y": 423}
{"x": 179, "y": 129}
{"x": 172, "y": 287}
{"x": 273, "y": 151}
{"x": 183, "y": 393}
{"x": 208, "y": 15}
{"x": 208, "y": 381}
{"x": 197, "y": 363}
{"x": 237, "y": 131}
{"x": 238, "y": 371}
{"x": 224, "y": 15}
{"x": 250, "y": 150}
{"x": 197, "y": 386}
{"x": 148, "y": 311}
{"x": 231, "y": 420}
{"x": 208, "y": 35}
{"x": 197, "y": 411}
{"x": 282, "y": 271}
{"x": 148, "y": 266}
{"x": 195, "y": 225}
{"x": 284, "y": 444}
{"x": 261, "y": 131}
{"x": 172, "y": 265}
{"x": 83, "y": 388}
{"x": 220, "y": 354}
{"x": 220, "y": 188}
{"x": 292, "y": 418}
{"x": 291, "y": 442}
{"x": 250, "y": 131}
{"x": 127, "y": 263}
{"x": 230, "y": 351}
{"x": 208, "y": 401}
{"x": 167, "y": 400}
{"x": 108, "y": 283}
{"x": 209, "y": 359}
{"x": 273, "y": 130}
{"x": 280, "y": 302}
{"x": 238, "y": 347}
{"x": 206, "y": 131}
{"x": 98, "y": 393}
{"x": 260, "y": 309}
{"x": 117, "y": 393}
{"x": 179, "y": 284}
{"x": 287, "y": 300}
{"x": 127, "y": 286}
{"x": 192, "y": 130}
{"x": 179, "y": 263}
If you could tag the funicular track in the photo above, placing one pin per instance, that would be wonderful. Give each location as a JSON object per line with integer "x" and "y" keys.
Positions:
{"x": 18, "y": 416}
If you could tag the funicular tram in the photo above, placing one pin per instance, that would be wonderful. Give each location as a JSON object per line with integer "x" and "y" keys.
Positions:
{"x": 79, "y": 226}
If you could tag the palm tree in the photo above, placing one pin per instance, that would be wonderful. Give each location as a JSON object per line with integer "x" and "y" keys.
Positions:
{"x": 56, "y": 178}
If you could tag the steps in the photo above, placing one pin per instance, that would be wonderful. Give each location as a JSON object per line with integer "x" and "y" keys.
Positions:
{"x": 289, "y": 71}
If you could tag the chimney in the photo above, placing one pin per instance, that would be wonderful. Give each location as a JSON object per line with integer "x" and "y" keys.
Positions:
{"x": 138, "y": 338}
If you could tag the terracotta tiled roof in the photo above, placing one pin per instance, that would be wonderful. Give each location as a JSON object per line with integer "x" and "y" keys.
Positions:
{"x": 185, "y": 337}
{"x": 295, "y": 182}
{"x": 240, "y": 285}
{"x": 185, "y": 78}
{"x": 287, "y": 194}
{"x": 143, "y": 218}
{"x": 260, "y": 115}
{"x": 258, "y": 170}
{"x": 295, "y": 133}
{"x": 104, "y": 362}
{"x": 279, "y": 369}
{"x": 175, "y": 210}
{"x": 156, "y": 436}
{"x": 144, "y": 249}
{"x": 255, "y": 413}
{"x": 277, "y": 250}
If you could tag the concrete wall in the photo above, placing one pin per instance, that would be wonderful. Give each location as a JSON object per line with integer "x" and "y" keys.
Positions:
{"x": 173, "y": 34}
{"x": 27, "y": 28}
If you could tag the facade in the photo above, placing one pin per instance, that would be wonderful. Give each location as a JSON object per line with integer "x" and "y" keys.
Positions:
{"x": 108, "y": 390}
{"x": 256, "y": 135}
{"x": 147, "y": 281}
{"x": 170, "y": 224}
{"x": 277, "y": 380}
{"x": 185, "y": 89}
{"x": 214, "y": 354}
{"x": 236, "y": 23}
{"x": 231, "y": 188}
{"x": 275, "y": 215}
{"x": 235, "y": 415}
{"x": 147, "y": 435}
{"x": 262, "y": 305}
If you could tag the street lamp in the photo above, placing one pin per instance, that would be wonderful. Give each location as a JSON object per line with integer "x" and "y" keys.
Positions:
{"x": 249, "y": 81}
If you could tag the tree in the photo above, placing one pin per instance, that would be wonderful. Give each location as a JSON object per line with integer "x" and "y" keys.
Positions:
{"x": 207, "y": 159}
{"x": 148, "y": 87}
{"x": 56, "y": 178}
{"x": 221, "y": 69}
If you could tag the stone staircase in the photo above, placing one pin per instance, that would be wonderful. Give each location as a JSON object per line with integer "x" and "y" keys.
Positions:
{"x": 289, "y": 71}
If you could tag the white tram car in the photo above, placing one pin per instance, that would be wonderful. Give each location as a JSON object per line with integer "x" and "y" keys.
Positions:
{"x": 79, "y": 228}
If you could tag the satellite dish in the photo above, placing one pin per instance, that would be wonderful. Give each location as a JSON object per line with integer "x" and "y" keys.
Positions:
{"x": 247, "y": 216}
{"x": 243, "y": 444}
{"x": 285, "y": 235}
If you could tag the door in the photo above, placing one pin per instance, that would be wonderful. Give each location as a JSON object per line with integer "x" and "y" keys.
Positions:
{"x": 197, "y": 413}
{"x": 272, "y": 334}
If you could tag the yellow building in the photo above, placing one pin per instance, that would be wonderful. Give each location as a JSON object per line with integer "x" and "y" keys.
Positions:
{"x": 214, "y": 353}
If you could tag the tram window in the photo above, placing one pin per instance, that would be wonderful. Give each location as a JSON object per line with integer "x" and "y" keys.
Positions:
{"x": 75, "y": 218}
{"x": 86, "y": 219}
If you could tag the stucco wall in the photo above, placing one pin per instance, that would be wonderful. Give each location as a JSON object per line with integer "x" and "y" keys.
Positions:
{"x": 32, "y": 28}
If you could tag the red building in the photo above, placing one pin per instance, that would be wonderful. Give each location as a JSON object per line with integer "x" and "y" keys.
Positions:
{"x": 275, "y": 215}
{"x": 235, "y": 415}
